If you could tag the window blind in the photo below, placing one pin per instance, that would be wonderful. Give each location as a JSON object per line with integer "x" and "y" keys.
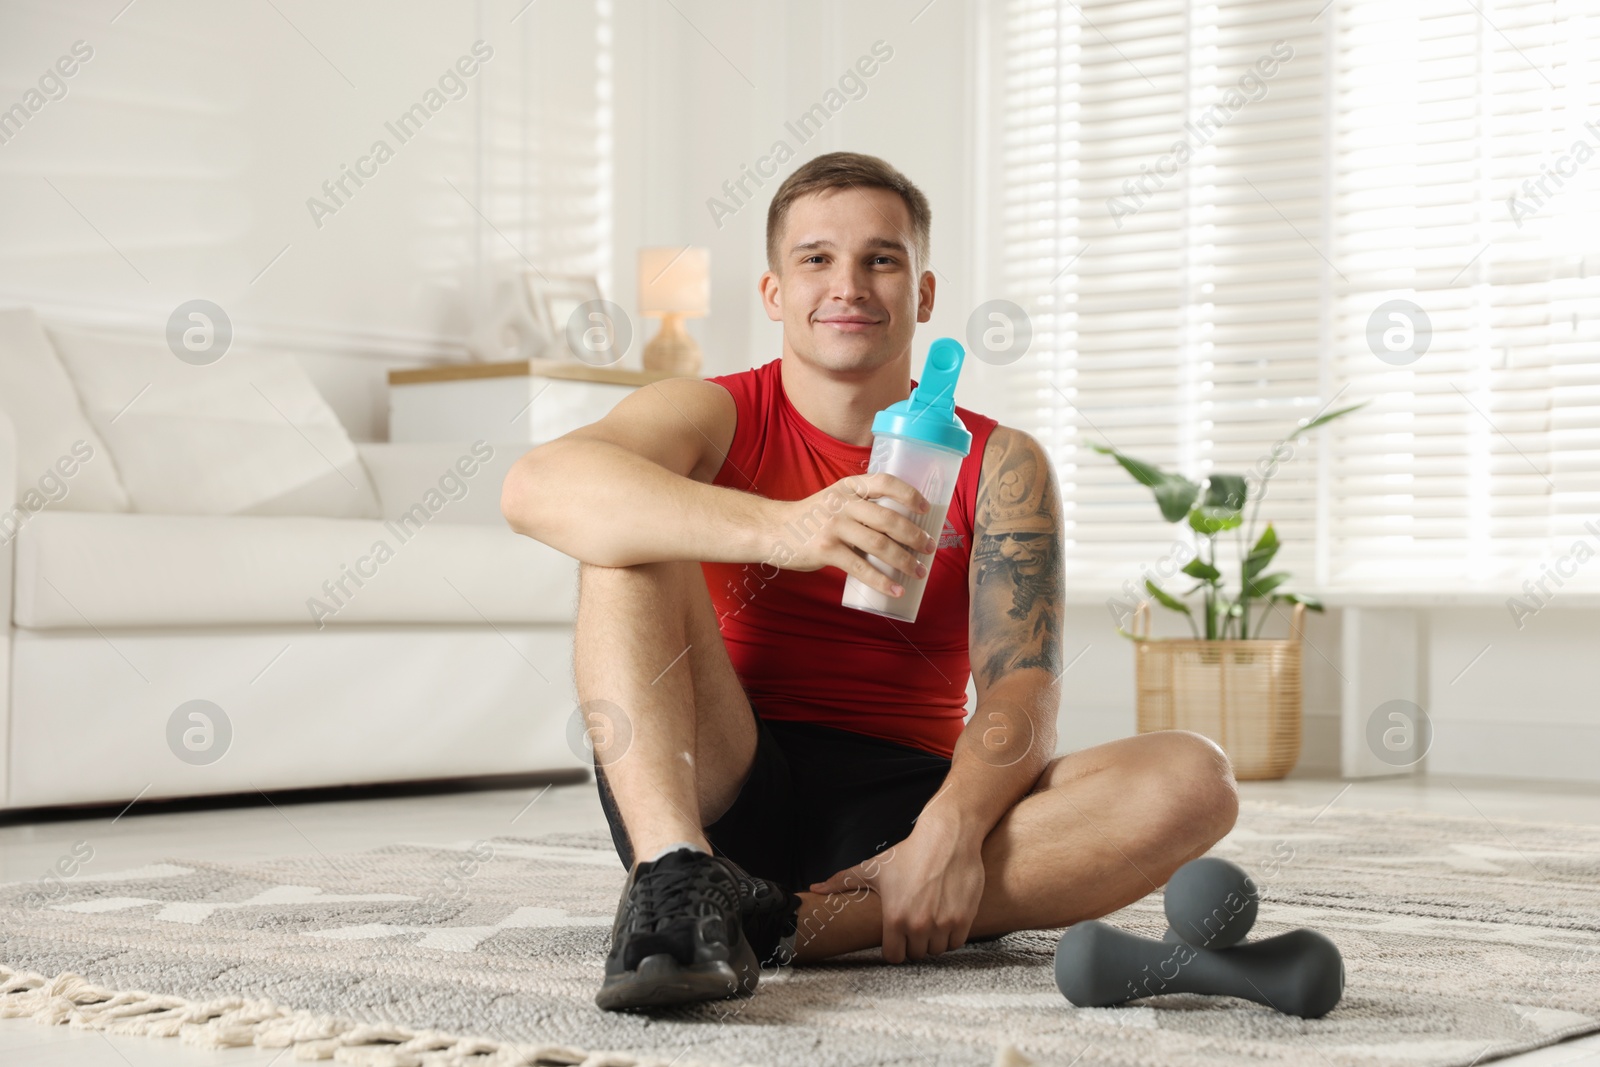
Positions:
{"x": 1203, "y": 205}
{"x": 547, "y": 143}
{"x": 1453, "y": 128}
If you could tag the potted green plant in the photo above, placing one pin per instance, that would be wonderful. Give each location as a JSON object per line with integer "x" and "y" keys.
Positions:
{"x": 1229, "y": 683}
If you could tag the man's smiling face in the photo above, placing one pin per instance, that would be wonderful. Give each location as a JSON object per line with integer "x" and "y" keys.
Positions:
{"x": 848, "y": 290}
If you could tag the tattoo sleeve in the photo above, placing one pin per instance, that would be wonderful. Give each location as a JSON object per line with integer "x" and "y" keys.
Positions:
{"x": 1015, "y": 577}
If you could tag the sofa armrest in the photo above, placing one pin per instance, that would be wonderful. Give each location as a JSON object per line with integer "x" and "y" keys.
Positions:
{"x": 457, "y": 483}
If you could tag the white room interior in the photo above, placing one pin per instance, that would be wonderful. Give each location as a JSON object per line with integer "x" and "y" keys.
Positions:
{"x": 186, "y": 158}
{"x": 206, "y": 190}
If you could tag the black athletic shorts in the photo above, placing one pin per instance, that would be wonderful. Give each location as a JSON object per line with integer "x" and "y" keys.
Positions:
{"x": 818, "y": 800}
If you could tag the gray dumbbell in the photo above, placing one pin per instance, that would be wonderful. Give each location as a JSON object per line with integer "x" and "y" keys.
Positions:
{"x": 1298, "y": 973}
{"x": 1211, "y": 903}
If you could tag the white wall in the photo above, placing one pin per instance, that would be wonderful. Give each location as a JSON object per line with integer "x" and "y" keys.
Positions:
{"x": 180, "y": 161}
{"x": 1514, "y": 702}
{"x": 697, "y": 103}
{"x": 184, "y": 152}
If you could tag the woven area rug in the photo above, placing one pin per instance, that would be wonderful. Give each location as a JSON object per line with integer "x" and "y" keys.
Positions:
{"x": 1463, "y": 941}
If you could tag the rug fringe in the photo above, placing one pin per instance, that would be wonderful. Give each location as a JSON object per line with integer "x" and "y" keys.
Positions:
{"x": 69, "y": 999}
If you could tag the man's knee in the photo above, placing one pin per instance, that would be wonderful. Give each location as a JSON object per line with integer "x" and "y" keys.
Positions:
{"x": 665, "y": 576}
{"x": 634, "y": 572}
{"x": 1198, "y": 784}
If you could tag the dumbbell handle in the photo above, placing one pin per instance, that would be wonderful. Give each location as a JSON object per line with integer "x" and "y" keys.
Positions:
{"x": 1298, "y": 973}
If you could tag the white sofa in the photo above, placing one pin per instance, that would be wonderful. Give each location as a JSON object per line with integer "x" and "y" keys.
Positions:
{"x": 333, "y": 661}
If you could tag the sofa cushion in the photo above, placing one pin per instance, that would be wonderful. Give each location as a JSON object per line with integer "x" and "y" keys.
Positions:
{"x": 455, "y": 482}
{"x": 61, "y": 461}
{"x": 83, "y": 571}
{"x": 246, "y": 435}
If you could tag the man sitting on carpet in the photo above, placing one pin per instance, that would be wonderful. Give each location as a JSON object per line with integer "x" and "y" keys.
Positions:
{"x": 786, "y": 778}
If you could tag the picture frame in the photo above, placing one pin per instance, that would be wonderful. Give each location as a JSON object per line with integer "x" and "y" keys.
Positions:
{"x": 553, "y": 298}
{"x": 509, "y": 329}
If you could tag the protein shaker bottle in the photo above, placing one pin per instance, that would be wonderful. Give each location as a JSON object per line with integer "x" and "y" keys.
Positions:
{"x": 922, "y": 441}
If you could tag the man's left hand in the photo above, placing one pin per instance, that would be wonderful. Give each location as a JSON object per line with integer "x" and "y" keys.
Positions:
{"x": 929, "y": 886}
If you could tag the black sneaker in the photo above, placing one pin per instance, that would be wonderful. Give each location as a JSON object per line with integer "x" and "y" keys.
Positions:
{"x": 679, "y": 935}
{"x": 770, "y": 915}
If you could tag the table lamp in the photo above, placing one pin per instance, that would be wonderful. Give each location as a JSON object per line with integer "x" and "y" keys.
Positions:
{"x": 674, "y": 283}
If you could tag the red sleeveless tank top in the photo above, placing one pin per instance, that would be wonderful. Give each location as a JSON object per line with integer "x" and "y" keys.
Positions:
{"x": 800, "y": 654}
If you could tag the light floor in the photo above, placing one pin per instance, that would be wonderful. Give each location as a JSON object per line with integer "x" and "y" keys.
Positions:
{"x": 291, "y": 824}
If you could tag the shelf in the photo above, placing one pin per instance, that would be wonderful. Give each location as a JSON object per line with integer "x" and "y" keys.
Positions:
{"x": 529, "y": 368}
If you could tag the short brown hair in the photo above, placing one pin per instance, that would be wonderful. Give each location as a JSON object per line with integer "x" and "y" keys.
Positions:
{"x": 845, "y": 170}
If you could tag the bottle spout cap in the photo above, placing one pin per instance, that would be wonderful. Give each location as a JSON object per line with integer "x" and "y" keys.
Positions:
{"x": 929, "y": 413}
{"x": 937, "y": 389}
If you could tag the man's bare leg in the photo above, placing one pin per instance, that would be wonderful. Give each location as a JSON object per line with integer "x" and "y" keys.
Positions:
{"x": 1102, "y": 828}
{"x": 647, "y": 642}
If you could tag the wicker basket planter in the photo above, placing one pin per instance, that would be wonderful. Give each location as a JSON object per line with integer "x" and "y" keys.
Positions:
{"x": 1243, "y": 694}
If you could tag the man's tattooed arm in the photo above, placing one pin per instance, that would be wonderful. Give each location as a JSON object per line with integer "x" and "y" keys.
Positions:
{"x": 1015, "y": 578}
{"x": 1013, "y": 638}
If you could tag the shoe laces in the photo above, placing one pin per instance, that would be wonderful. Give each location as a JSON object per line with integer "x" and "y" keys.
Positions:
{"x": 667, "y": 892}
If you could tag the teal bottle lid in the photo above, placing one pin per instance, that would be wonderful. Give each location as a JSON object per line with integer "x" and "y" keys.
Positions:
{"x": 929, "y": 413}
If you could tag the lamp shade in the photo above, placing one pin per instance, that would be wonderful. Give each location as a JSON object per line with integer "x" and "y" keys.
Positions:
{"x": 675, "y": 280}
